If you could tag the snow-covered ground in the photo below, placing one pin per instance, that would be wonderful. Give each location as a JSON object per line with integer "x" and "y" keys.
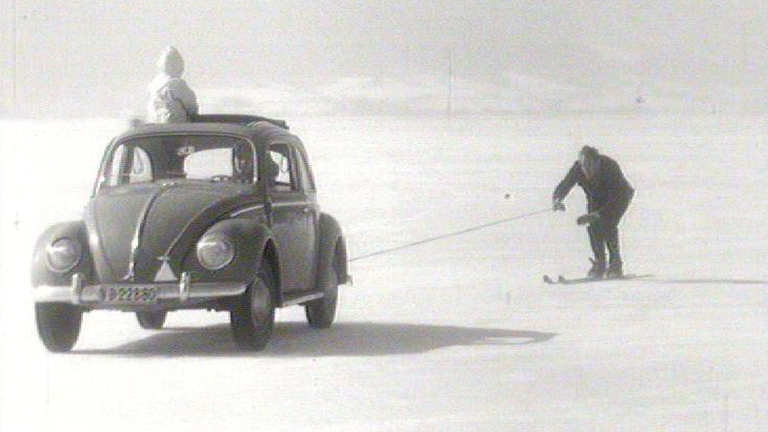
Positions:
{"x": 455, "y": 335}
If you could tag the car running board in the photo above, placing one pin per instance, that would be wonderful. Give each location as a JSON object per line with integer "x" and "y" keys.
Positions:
{"x": 300, "y": 298}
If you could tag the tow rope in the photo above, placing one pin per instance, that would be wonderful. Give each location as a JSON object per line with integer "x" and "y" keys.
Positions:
{"x": 452, "y": 234}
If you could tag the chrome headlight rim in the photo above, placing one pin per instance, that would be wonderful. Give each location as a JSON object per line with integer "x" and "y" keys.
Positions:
{"x": 49, "y": 250}
{"x": 221, "y": 240}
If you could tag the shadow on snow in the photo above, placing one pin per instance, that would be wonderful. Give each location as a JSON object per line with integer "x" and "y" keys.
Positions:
{"x": 709, "y": 281}
{"x": 343, "y": 339}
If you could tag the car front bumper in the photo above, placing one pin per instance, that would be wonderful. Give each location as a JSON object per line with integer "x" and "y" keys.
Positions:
{"x": 181, "y": 292}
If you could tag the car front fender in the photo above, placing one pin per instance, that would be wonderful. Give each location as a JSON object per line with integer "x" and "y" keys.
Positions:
{"x": 42, "y": 274}
{"x": 251, "y": 240}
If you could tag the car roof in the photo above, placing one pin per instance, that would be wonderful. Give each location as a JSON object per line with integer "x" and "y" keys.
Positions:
{"x": 261, "y": 130}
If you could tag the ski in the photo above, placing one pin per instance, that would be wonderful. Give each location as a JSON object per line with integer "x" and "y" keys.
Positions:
{"x": 561, "y": 280}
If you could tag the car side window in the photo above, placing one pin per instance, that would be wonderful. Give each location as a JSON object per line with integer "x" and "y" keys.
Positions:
{"x": 307, "y": 183}
{"x": 280, "y": 169}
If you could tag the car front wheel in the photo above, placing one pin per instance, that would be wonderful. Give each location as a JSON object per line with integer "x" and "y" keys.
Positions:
{"x": 151, "y": 320}
{"x": 253, "y": 316}
{"x": 322, "y": 312}
{"x": 58, "y": 325}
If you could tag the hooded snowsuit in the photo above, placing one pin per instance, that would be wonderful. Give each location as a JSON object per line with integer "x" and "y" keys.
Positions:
{"x": 170, "y": 98}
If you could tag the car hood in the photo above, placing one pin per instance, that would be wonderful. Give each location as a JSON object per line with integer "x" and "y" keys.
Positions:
{"x": 133, "y": 229}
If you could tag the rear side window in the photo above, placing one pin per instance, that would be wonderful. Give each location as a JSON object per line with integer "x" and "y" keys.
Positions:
{"x": 280, "y": 170}
{"x": 307, "y": 182}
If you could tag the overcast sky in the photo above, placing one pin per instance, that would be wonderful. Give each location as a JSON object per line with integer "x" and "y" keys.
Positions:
{"x": 92, "y": 56}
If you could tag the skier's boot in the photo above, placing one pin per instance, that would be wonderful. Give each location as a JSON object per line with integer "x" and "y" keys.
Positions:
{"x": 598, "y": 269}
{"x": 615, "y": 270}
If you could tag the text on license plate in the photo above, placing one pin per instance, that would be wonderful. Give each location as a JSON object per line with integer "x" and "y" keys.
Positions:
{"x": 131, "y": 295}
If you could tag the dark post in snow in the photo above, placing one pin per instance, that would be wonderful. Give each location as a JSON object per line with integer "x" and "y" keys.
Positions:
{"x": 449, "y": 101}
{"x": 14, "y": 73}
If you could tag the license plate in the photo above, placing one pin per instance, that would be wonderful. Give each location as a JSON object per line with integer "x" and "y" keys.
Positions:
{"x": 131, "y": 295}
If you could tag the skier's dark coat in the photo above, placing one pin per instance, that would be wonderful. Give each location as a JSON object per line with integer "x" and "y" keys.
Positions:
{"x": 608, "y": 193}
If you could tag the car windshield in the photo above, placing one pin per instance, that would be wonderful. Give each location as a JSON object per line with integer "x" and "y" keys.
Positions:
{"x": 214, "y": 158}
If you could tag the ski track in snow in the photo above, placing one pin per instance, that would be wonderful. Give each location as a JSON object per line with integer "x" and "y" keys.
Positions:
{"x": 459, "y": 334}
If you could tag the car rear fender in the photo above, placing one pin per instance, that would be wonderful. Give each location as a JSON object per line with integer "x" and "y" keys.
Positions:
{"x": 332, "y": 252}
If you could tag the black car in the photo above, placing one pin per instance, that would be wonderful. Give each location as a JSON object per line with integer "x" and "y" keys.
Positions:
{"x": 219, "y": 214}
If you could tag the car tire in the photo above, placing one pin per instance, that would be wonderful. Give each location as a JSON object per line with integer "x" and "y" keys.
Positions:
{"x": 253, "y": 316}
{"x": 151, "y": 320}
{"x": 322, "y": 312}
{"x": 58, "y": 325}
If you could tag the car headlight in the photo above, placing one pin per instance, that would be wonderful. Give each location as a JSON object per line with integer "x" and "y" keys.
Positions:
{"x": 63, "y": 254}
{"x": 215, "y": 251}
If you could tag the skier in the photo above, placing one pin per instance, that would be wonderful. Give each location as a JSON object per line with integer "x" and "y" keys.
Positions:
{"x": 608, "y": 196}
{"x": 171, "y": 100}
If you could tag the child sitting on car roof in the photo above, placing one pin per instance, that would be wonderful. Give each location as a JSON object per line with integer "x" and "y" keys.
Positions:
{"x": 171, "y": 100}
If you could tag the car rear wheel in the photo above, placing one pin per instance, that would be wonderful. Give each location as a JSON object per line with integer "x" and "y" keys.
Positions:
{"x": 58, "y": 325}
{"x": 322, "y": 312}
{"x": 253, "y": 315}
{"x": 151, "y": 320}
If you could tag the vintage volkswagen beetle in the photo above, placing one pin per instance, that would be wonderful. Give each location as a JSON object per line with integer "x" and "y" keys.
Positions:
{"x": 220, "y": 214}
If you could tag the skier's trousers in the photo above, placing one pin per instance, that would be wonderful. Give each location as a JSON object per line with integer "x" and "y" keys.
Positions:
{"x": 605, "y": 231}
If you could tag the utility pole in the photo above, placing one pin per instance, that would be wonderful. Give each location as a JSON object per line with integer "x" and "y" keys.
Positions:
{"x": 14, "y": 67}
{"x": 449, "y": 102}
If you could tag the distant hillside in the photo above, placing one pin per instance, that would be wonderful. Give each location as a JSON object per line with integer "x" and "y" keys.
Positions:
{"x": 519, "y": 94}
{"x": 389, "y": 57}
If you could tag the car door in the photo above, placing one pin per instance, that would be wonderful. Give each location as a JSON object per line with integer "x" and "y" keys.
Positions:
{"x": 289, "y": 213}
{"x": 311, "y": 216}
